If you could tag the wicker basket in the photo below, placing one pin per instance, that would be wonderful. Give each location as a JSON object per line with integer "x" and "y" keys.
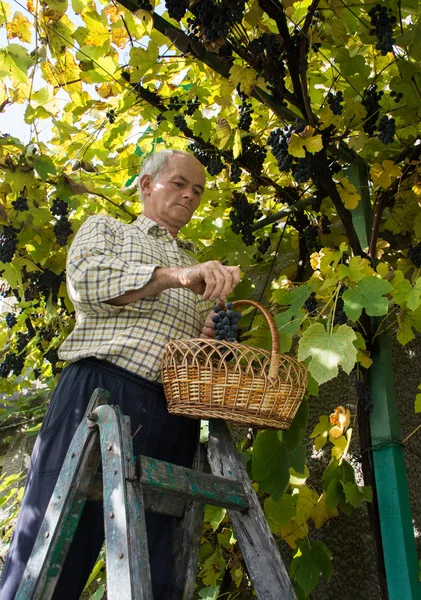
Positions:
{"x": 246, "y": 385}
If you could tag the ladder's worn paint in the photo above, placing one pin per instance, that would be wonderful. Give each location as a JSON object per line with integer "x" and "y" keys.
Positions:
{"x": 106, "y": 434}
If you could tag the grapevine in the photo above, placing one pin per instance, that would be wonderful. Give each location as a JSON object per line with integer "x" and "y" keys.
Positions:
{"x": 8, "y": 243}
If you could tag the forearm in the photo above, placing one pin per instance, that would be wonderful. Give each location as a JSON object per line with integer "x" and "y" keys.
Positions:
{"x": 162, "y": 279}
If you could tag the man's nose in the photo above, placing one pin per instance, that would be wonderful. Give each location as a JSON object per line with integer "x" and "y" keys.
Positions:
{"x": 188, "y": 193}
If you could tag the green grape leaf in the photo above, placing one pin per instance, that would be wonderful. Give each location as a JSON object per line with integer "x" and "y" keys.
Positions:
{"x": 214, "y": 515}
{"x": 270, "y": 463}
{"x": 368, "y": 295}
{"x": 320, "y": 432}
{"x": 309, "y": 563}
{"x": 407, "y": 321}
{"x": 327, "y": 350}
{"x": 409, "y": 294}
{"x": 279, "y": 512}
{"x": 296, "y": 432}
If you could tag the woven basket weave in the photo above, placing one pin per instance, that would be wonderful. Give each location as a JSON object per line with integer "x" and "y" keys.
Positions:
{"x": 223, "y": 380}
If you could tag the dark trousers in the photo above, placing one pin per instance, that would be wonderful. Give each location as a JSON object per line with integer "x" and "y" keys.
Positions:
{"x": 162, "y": 436}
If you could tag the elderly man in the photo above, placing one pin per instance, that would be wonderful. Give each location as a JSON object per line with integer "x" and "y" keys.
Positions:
{"x": 134, "y": 287}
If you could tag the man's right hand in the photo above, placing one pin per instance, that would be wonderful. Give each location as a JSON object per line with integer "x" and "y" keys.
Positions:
{"x": 211, "y": 279}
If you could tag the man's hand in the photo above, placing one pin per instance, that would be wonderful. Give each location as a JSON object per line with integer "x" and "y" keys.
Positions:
{"x": 211, "y": 279}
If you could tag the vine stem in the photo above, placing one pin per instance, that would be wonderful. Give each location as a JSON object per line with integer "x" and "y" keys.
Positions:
{"x": 411, "y": 434}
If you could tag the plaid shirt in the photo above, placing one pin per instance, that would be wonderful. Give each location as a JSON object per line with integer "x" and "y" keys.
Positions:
{"x": 108, "y": 258}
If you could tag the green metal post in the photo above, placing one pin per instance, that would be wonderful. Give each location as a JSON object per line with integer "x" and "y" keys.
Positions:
{"x": 400, "y": 555}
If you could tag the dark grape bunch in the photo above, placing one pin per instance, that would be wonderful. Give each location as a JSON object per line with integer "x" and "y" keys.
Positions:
{"x": 246, "y": 111}
{"x": 12, "y": 363}
{"x": 10, "y": 320}
{"x": 340, "y": 317}
{"x": 59, "y": 208}
{"x": 8, "y": 243}
{"x": 263, "y": 246}
{"x": 252, "y": 155}
{"x": 175, "y": 103}
{"x": 324, "y": 223}
{"x": 52, "y": 356}
{"x": 371, "y": 102}
{"x": 382, "y": 20}
{"x": 303, "y": 169}
{"x": 144, "y": 5}
{"x": 311, "y": 236}
{"x": 414, "y": 255}
{"x": 212, "y": 162}
{"x": 335, "y": 102}
{"x": 21, "y": 203}
{"x": 335, "y": 167}
{"x": 397, "y": 96}
{"x": 226, "y": 322}
{"x": 365, "y": 399}
{"x": 111, "y": 115}
{"x": 278, "y": 141}
{"x": 180, "y": 122}
{"x": 235, "y": 173}
{"x": 23, "y": 340}
{"x": 213, "y": 19}
{"x": 63, "y": 230}
{"x": 386, "y": 129}
{"x": 311, "y": 303}
{"x": 192, "y": 106}
{"x": 243, "y": 215}
{"x": 176, "y": 8}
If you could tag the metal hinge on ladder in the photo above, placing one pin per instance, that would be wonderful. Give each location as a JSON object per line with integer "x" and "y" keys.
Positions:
{"x": 130, "y": 485}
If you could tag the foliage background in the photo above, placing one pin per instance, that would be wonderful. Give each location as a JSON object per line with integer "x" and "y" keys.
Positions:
{"x": 111, "y": 86}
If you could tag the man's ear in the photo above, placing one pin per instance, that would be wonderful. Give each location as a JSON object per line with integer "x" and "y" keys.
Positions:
{"x": 145, "y": 185}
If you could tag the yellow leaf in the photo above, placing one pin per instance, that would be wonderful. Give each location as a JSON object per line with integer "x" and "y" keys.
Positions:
{"x": 113, "y": 12}
{"x": 340, "y": 418}
{"x": 384, "y": 174}
{"x": 382, "y": 269}
{"x": 244, "y": 77}
{"x": 348, "y": 193}
{"x": 19, "y": 27}
{"x": 237, "y": 148}
{"x": 119, "y": 37}
{"x": 97, "y": 30}
{"x": 321, "y": 512}
{"x": 298, "y": 144}
{"x": 363, "y": 357}
{"x": 254, "y": 15}
{"x": 4, "y": 13}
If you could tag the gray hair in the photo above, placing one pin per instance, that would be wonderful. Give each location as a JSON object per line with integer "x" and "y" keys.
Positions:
{"x": 155, "y": 163}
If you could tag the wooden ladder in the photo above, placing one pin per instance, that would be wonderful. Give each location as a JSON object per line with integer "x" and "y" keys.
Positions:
{"x": 131, "y": 485}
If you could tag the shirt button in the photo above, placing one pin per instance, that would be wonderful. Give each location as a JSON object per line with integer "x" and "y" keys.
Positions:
{"x": 148, "y": 374}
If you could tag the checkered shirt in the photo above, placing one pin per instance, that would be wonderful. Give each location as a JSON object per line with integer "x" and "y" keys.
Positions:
{"x": 108, "y": 258}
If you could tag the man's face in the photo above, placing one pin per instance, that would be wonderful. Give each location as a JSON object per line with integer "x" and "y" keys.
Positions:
{"x": 172, "y": 198}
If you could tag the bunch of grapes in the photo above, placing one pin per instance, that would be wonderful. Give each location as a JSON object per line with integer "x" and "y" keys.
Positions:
{"x": 246, "y": 111}
{"x": 340, "y": 317}
{"x": 59, "y": 208}
{"x": 8, "y": 243}
{"x": 12, "y": 363}
{"x": 23, "y": 340}
{"x": 144, "y": 5}
{"x": 175, "y": 103}
{"x": 397, "y": 96}
{"x": 304, "y": 169}
{"x": 21, "y": 203}
{"x": 63, "y": 230}
{"x": 214, "y": 19}
{"x": 311, "y": 238}
{"x": 176, "y": 8}
{"x": 311, "y": 303}
{"x": 324, "y": 223}
{"x": 235, "y": 173}
{"x": 414, "y": 255}
{"x": 226, "y": 322}
{"x": 52, "y": 356}
{"x": 267, "y": 50}
{"x": 386, "y": 129}
{"x": 201, "y": 155}
{"x": 111, "y": 115}
{"x": 252, "y": 155}
{"x": 215, "y": 165}
{"x": 335, "y": 167}
{"x": 243, "y": 216}
{"x": 382, "y": 21}
{"x": 365, "y": 399}
{"x": 192, "y": 106}
{"x": 263, "y": 246}
{"x": 180, "y": 122}
{"x": 371, "y": 102}
{"x": 335, "y": 102}
{"x": 10, "y": 320}
{"x": 46, "y": 282}
{"x": 278, "y": 141}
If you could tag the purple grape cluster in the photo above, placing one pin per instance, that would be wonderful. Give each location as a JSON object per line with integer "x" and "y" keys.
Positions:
{"x": 226, "y": 322}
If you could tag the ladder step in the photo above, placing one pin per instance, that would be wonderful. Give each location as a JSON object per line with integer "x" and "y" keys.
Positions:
{"x": 160, "y": 479}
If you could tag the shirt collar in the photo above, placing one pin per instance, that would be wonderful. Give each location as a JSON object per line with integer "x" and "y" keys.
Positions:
{"x": 150, "y": 227}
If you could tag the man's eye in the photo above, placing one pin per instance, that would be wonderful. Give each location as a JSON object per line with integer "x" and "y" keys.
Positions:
{"x": 179, "y": 184}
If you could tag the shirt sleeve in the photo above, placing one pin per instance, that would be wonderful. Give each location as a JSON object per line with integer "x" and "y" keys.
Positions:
{"x": 95, "y": 274}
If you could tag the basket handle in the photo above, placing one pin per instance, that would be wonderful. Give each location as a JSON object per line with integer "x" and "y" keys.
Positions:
{"x": 275, "y": 358}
